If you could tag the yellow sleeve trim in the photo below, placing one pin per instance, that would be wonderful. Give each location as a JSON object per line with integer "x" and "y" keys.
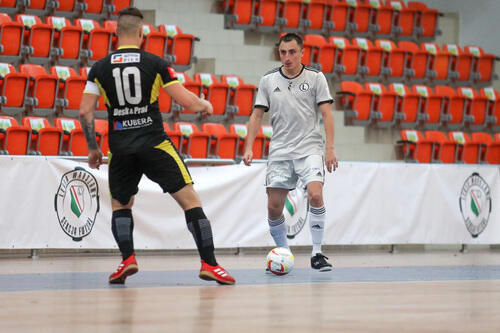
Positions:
{"x": 169, "y": 83}
{"x": 87, "y": 92}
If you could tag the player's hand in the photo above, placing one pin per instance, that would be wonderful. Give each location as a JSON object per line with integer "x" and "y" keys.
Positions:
{"x": 208, "y": 110}
{"x": 331, "y": 161}
{"x": 95, "y": 158}
{"x": 248, "y": 157}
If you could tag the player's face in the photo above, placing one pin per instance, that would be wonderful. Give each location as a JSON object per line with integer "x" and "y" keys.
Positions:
{"x": 290, "y": 55}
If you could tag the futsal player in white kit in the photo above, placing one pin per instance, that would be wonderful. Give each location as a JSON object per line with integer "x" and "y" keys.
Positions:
{"x": 295, "y": 97}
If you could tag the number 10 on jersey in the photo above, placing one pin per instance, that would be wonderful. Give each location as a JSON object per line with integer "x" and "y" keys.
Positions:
{"x": 122, "y": 83}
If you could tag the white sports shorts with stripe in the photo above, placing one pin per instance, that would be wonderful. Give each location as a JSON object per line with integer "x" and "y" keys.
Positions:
{"x": 285, "y": 174}
{"x": 162, "y": 164}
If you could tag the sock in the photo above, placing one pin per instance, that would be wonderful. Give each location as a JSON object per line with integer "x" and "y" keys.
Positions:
{"x": 317, "y": 226}
{"x": 278, "y": 229}
{"x": 122, "y": 226}
{"x": 200, "y": 228}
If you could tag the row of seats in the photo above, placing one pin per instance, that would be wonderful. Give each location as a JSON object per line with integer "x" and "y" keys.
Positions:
{"x": 349, "y": 17}
{"x": 419, "y": 105}
{"x": 387, "y": 59}
{"x": 98, "y": 9}
{"x": 37, "y": 136}
{"x": 454, "y": 147}
{"x": 34, "y": 90}
{"x": 58, "y": 41}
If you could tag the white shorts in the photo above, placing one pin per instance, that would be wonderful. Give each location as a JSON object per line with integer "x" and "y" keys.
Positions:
{"x": 285, "y": 174}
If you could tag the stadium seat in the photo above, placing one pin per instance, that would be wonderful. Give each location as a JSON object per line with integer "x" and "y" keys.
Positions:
{"x": 267, "y": 15}
{"x": 242, "y": 131}
{"x": 415, "y": 148}
{"x": 239, "y": 13}
{"x": 445, "y": 150}
{"x": 14, "y": 139}
{"x": 404, "y": 17}
{"x": 216, "y": 92}
{"x": 153, "y": 41}
{"x": 13, "y": 90}
{"x": 98, "y": 9}
{"x": 223, "y": 144}
{"x": 120, "y": 4}
{"x": 475, "y": 106}
{"x": 468, "y": 150}
{"x": 338, "y": 15}
{"x": 101, "y": 105}
{"x": 384, "y": 17}
{"x": 70, "y": 89}
{"x": 439, "y": 61}
{"x": 70, "y": 8}
{"x": 427, "y": 19}
{"x": 292, "y": 12}
{"x": 315, "y": 14}
{"x": 483, "y": 64}
{"x": 454, "y": 105}
{"x": 493, "y": 107}
{"x": 461, "y": 62}
{"x": 96, "y": 40}
{"x": 42, "y": 89}
{"x": 431, "y": 106}
{"x": 9, "y": 6}
{"x": 38, "y": 38}
{"x": 384, "y": 103}
{"x": 242, "y": 95}
{"x": 11, "y": 39}
{"x": 360, "y": 16}
{"x": 67, "y": 38}
{"x": 175, "y": 136}
{"x": 417, "y": 60}
{"x": 318, "y": 53}
{"x": 489, "y": 149}
{"x": 111, "y": 26}
{"x": 393, "y": 58}
{"x": 371, "y": 57}
{"x": 191, "y": 85}
{"x": 196, "y": 144}
{"x": 356, "y": 103}
{"x": 39, "y": 7}
{"x": 45, "y": 139}
{"x": 180, "y": 45}
{"x": 102, "y": 133}
{"x": 407, "y": 106}
{"x": 74, "y": 142}
{"x": 346, "y": 55}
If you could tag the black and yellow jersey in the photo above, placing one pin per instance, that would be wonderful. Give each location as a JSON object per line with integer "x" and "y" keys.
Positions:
{"x": 130, "y": 80}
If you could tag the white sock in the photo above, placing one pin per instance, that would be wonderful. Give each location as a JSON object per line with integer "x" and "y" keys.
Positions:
{"x": 278, "y": 229}
{"x": 317, "y": 227}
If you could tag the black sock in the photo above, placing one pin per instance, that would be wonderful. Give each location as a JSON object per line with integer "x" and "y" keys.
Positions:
{"x": 199, "y": 226}
{"x": 122, "y": 225}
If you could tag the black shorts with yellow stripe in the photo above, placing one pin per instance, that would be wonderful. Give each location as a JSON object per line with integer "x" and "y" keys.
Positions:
{"x": 162, "y": 164}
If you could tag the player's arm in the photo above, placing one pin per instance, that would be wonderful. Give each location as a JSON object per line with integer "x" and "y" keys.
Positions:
{"x": 187, "y": 99}
{"x": 87, "y": 108}
{"x": 330, "y": 156}
{"x": 253, "y": 129}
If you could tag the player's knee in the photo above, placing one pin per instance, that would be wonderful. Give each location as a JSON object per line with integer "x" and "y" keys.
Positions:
{"x": 275, "y": 210}
{"x": 315, "y": 199}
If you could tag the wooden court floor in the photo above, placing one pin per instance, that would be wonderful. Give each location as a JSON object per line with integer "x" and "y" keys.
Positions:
{"x": 366, "y": 292}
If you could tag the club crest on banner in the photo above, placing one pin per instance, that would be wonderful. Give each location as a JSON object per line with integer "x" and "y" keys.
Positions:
{"x": 77, "y": 203}
{"x": 296, "y": 210}
{"x": 475, "y": 204}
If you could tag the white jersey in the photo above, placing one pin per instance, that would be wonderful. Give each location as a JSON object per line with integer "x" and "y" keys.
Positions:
{"x": 293, "y": 105}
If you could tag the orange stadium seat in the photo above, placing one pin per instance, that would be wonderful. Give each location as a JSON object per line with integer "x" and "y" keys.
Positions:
{"x": 223, "y": 144}
{"x": 417, "y": 60}
{"x": 96, "y": 40}
{"x": 267, "y": 12}
{"x": 360, "y": 14}
{"x": 461, "y": 62}
{"x": 475, "y": 106}
{"x": 74, "y": 141}
{"x": 357, "y": 104}
{"x": 67, "y": 37}
{"x": 383, "y": 19}
{"x": 371, "y": 56}
{"x": 13, "y": 89}
{"x": 45, "y": 139}
{"x": 11, "y": 39}
{"x": 468, "y": 150}
{"x": 120, "y": 4}
{"x": 216, "y": 92}
{"x": 493, "y": 107}
{"x": 101, "y": 106}
{"x": 407, "y": 105}
{"x": 404, "y": 17}
{"x": 439, "y": 61}
{"x": 454, "y": 105}
{"x": 69, "y": 8}
{"x": 384, "y": 102}
{"x": 432, "y": 106}
{"x": 153, "y": 41}
{"x": 239, "y": 13}
{"x": 490, "y": 150}
{"x": 42, "y": 88}
{"x": 175, "y": 136}
{"x": 191, "y": 85}
{"x": 111, "y": 25}
{"x": 427, "y": 19}
{"x": 242, "y": 94}
{"x": 316, "y": 49}
{"x": 445, "y": 150}
{"x": 38, "y": 37}
{"x": 180, "y": 45}
{"x": 394, "y": 57}
{"x": 196, "y": 144}
{"x": 415, "y": 147}
{"x": 14, "y": 139}
{"x": 483, "y": 64}
{"x": 70, "y": 88}
{"x": 338, "y": 15}
{"x": 315, "y": 12}
{"x": 346, "y": 55}
{"x": 102, "y": 133}
{"x": 242, "y": 131}
{"x": 292, "y": 12}
{"x": 38, "y": 7}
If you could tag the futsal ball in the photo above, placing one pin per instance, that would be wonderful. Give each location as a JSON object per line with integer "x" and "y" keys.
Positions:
{"x": 280, "y": 261}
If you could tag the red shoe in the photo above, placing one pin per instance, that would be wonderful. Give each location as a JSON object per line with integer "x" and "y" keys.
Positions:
{"x": 126, "y": 268}
{"x": 215, "y": 273}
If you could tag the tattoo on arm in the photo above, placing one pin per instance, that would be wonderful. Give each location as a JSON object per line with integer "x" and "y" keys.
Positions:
{"x": 89, "y": 132}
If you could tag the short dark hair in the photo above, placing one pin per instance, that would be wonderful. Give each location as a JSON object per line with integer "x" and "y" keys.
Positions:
{"x": 289, "y": 37}
{"x": 132, "y": 11}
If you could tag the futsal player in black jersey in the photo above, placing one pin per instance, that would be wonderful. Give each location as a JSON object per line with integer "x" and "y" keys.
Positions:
{"x": 130, "y": 79}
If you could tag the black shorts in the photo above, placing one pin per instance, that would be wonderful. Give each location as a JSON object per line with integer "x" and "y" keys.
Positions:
{"x": 162, "y": 164}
